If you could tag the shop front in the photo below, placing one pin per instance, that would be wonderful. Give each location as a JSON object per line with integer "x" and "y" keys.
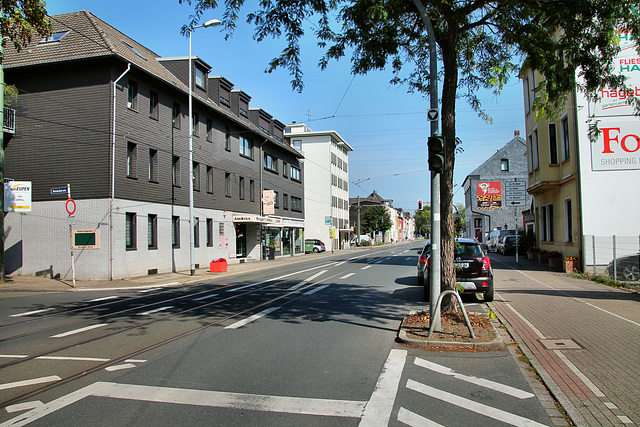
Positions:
{"x": 277, "y": 236}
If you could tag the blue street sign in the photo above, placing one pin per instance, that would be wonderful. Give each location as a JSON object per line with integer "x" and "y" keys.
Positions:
{"x": 62, "y": 190}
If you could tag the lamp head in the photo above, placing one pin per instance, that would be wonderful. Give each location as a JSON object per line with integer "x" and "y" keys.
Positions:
{"x": 212, "y": 23}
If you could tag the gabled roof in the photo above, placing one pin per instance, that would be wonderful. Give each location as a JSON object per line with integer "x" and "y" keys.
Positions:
{"x": 499, "y": 153}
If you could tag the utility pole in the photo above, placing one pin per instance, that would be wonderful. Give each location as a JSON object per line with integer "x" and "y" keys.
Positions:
{"x": 2, "y": 166}
{"x": 358, "y": 231}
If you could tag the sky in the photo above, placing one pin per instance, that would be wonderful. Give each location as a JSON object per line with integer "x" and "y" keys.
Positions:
{"x": 386, "y": 126}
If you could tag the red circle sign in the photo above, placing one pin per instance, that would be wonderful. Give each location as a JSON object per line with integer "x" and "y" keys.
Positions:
{"x": 71, "y": 210}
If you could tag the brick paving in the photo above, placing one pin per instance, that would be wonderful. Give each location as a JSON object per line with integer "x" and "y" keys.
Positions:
{"x": 598, "y": 383}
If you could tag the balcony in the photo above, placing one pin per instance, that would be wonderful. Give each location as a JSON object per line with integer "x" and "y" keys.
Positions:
{"x": 9, "y": 125}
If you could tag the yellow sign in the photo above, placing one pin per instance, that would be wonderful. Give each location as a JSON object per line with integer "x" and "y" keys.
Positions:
{"x": 332, "y": 233}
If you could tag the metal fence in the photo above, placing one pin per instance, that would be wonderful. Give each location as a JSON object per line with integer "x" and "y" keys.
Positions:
{"x": 613, "y": 257}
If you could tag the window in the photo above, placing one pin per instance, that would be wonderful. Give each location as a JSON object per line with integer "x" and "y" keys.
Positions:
{"x": 284, "y": 169}
{"x": 566, "y": 154}
{"x": 553, "y": 144}
{"x": 536, "y": 152}
{"x": 227, "y": 184}
{"x": 154, "y": 99}
{"x": 209, "y": 232}
{"x": 175, "y": 115}
{"x": 195, "y": 124}
{"x": 568, "y": 221}
{"x": 200, "y": 78}
{"x": 227, "y": 138}
{"x": 275, "y": 199}
{"x": 295, "y": 173}
{"x": 153, "y": 165}
{"x": 54, "y": 37}
{"x": 209, "y": 180}
{"x": 175, "y": 171}
{"x": 504, "y": 165}
{"x": 252, "y": 190}
{"x": 530, "y": 150}
{"x": 152, "y": 231}
{"x": 196, "y": 176}
{"x": 246, "y": 147}
{"x": 196, "y": 232}
{"x": 296, "y": 204}
{"x": 297, "y": 144}
{"x": 132, "y": 95}
{"x": 546, "y": 223}
{"x": 241, "y": 188}
{"x": 270, "y": 163}
{"x": 209, "y": 130}
{"x": 133, "y": 49}
{"x": 130, "y": 230}
{"x": 175, "y": 232}
{"x": 132, "y": 160}
{"x": 285, "y": 201}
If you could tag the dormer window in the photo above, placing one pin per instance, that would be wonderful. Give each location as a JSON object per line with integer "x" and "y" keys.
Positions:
{"x": 200, "y": 78}
{"x": 55, "y": 37}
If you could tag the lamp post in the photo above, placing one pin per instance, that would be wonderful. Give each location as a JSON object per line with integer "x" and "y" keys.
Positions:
{"x": 192, "y": 263}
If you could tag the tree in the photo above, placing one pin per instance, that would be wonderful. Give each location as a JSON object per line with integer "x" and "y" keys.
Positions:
{"x": 481, "y": 43}
{"x": 423, "y": 220}
{"x": 20, "y": 20}
{"x": 376, "y": 218}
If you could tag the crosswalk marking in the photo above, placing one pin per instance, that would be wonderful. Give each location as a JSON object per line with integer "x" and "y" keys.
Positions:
{"x": 412, "y": 419}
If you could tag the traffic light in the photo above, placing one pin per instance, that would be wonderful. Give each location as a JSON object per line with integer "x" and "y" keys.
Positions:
{"x": 419, "y": 205}
{"x": 436, "y": 153}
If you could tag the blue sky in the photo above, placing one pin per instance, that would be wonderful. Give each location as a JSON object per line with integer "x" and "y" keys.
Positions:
{"x": 386, "y": 126}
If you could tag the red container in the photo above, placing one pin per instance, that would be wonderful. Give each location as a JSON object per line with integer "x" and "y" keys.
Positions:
{"x": 218, "y": 267}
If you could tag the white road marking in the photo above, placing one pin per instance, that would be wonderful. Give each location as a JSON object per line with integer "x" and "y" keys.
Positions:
{"x": 277, "y": 278}
{"x": 149, "y": 290}
{"x": 32, "y": 381}
{"x": 318, "y": 289}
{"x": 365, "y": 267}
{"x": 346, "y": 276}
{"x": 29, "y": 313}
{"x": 77, "y": 331}
{"x": 379, "y": 407}
{"x": 13, "y": 356}
{"x": 502, "y": 388}
{"x": 102, "y": 299}
{"x": 73, "y": 359}
{"x": 135, "y": 361}
{"x": 155, "y": 310}
{"x": 119, "y": 367}
{"x": 27, "y": 406}
{"x": 304, "y": 282}
{"x": 479, "y": 408}
{"x": 252, "y": 318}
{"x": 205, "y": 297}
{"x": 412, "y": 419}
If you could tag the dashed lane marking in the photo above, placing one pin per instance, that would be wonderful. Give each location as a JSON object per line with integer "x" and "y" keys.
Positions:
{"x": 252, "y": 318}
{"x": 318, "y": 289}
{"x": 29, "y": 313}
{"x": 77, "y": 331}
{"x": 32, "y": 381}
{"x": 155, "y": 310}
{"x": 346, "y": 276}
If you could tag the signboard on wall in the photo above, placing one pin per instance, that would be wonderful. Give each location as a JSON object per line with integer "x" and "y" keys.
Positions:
{"x": 489, "y": 194}
{"x": 268, "y": 202}
{"x": 17, "y": 196}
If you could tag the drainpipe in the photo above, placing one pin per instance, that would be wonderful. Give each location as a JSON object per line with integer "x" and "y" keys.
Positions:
{"x": 113, "y": 173}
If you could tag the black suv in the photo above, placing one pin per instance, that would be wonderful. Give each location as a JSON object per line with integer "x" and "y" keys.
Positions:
{"x": 473, "y": 269}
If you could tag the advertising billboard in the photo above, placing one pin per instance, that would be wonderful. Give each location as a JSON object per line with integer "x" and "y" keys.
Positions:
{"x": 489, "y": 194}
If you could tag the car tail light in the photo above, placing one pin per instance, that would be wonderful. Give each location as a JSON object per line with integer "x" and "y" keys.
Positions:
{"x": 486, "y": 263}
{"x": 485, "y": 284}
{"x": 422, "y": 260}
{"x": 428, "y": 262}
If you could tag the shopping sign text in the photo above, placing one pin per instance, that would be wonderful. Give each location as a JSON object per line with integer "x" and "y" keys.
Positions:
{"x": 620, "y": 149}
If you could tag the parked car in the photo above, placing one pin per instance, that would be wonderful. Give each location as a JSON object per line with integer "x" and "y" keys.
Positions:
{"x": 422, "y": 262}
{"x": 627, "y": 268}
{"x": 507, "y": 245}
{"x": 473, "y": 269}
{"x": 363, "y": 238}
{"x": 314, "y": 245}
{"x": 495, "y": 236}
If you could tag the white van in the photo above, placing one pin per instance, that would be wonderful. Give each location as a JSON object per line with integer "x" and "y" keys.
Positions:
{"x": 495, "y": 236}
{"x": 363, "y": 238}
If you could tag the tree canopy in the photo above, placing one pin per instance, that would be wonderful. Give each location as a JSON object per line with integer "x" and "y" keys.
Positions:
{"x": 376, "y": 218}
{"x": 21, "y": 19}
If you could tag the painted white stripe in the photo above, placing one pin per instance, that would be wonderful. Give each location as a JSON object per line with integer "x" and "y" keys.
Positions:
{"x": 277, "y": 278}
{"x": 340, "y": 263}
{"x": 77, "y": 331}
{"x": 304, "y": 282}
{"x": 412, "y": 419}
{"x": 119, "y": 367}
{"x": 155, "y": 310}
{"x": 378, "y": 409}
{"x": 13, "y": 356}
{"x": 346, "y": 276}
{"x": 27, "y": 406}
{"x": 103, "y": 299}
{"x": 479, "y": 408}
{"x": 318, "y": 289}
{"x": 205, "y": 297}
{"x": 580, "y": 375}
{"x": 252, "y": 318}
{"x": 32, "y": 381}
{"x": 135, "y": 361}
{"x": 502, "y": 388}
{"x": 73, "y": 359}
{"x": 529, "y": 324}
{"x": 144, "y": 291}
{"x": 29, "y": 313}
{"x": 365, "y": 267}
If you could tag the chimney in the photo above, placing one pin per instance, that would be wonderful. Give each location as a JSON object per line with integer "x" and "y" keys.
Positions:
{"x": 516, "y": 133}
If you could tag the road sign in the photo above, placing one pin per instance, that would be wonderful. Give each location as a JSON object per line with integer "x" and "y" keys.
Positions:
{"x": 61, "y": 190}
{"x": 70, "y": 206}
{"x": 514, "y": 203}
{"x": 433, "y": 114}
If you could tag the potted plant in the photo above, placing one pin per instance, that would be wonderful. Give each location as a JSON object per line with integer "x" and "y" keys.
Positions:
{"x": 570, "y": 264}
{"x": 543, "y": 256}
{"x": 271, "y": 251}
{"x": 218, "y": 265}
{"x": 532, "y": 253}
{"x": 555, "y": 259}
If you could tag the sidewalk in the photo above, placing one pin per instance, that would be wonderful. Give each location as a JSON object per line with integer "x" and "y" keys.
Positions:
{"x": 582, "y": 337}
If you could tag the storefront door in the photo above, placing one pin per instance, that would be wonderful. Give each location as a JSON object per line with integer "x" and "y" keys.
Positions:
{"x": 241, "y": 240}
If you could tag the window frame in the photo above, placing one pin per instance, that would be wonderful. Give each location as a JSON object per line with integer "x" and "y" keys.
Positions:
{"x": 270, "y": 163}
{"x": 175, "y": 232}
{"x": 568, "y": 221}
{"x": 252, "y": 190}
{"x": 154, "y": 102}
{"x": 153, "y": 165}
{"x": 241, "y": 190}
{"x": 210, "y": 179}
{"x": 209, "y": 233}
{"x": 196, "y": 232}
{"x": 195, "y": 179}
{"x": 504, "y": 165}
{"x": 176, "y": 176}
{"x": 130, "y": 232}
{"x": 553, "y": 144}
{"x": 227, "y": 138}
{"x": 195, "y": 125}
{"x": 209, "y": 130}
{"x": 175, "y": 115}
{"x": 199, "y": 72}
{"x": 245, "y": 147}
{"x": 296, "y": 204}
{"x": 564, "y": 135}
{"x": 132, "y": 95}
{"x": 152, "y": 231}
{"x": 295, "y": 173}
{"x": 132, "y": 160}
{"x": 227, "y": 184}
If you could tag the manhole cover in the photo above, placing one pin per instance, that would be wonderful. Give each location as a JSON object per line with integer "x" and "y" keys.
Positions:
{"x": 561, "y": 344}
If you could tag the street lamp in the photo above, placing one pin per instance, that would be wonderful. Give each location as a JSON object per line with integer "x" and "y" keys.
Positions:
{"x": 209, "y": 23}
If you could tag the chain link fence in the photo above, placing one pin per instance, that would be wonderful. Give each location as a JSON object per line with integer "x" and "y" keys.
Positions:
{"x": 614, "y": 257}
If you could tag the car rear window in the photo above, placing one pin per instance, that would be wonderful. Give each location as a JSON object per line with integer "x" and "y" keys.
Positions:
{"x": 467, "y": 249}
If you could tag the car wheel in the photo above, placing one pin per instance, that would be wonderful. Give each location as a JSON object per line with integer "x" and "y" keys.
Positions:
{"x": 488, "y": 296}
{"x": 316, "y": 250}
{"x": 631, "y": 274}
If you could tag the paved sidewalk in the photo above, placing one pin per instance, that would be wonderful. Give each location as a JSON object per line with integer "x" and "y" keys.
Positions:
{"x": 582, "y": 337}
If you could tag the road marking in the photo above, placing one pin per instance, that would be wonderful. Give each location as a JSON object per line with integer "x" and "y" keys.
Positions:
{"x": 205, "y": 297}
{"x": 149, "y": 290}
{"x": 135, "y": 361}
{"x": 77, "y": 331}
{"x": 119, "y": 367}
{"x": 32, "y": 381}
{"x": 13, "y": 356}
{"x": 479, "y": 408}
{"x": 20, "y": 407}
{"x": 379, "y": 407}
{"x": 409, "y": 418}
{"x": 304, "y": 282}
{"x": 277, "y": 278}
{"x": 102, "y": 299}
{"x": 155, "y": 310}
{"x": 346, "y": 276}
{"x": 409, "y": 258}
{"x": 318, "y": 289}
{"x": 29, "y": 313}
{"x": 73, "y": 359}
{"x": 502, "y": 388}
{"x": 365, "y": 267}
{"x": 252, "y": 318}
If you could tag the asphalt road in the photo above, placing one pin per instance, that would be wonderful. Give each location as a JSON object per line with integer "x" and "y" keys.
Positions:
{"x": 306, "y": 344}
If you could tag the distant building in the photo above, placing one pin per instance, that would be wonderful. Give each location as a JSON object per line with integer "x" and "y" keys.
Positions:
{"x": 495, "y": 192}
{"x": 402, "y": 223}
{"x": 326, "y": 183}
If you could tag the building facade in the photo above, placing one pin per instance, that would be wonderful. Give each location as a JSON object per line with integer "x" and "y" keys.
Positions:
{"x": 111, "y": 122}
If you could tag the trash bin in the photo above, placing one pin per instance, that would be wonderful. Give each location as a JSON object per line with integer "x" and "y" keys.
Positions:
{"x": 308, "y": 247}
